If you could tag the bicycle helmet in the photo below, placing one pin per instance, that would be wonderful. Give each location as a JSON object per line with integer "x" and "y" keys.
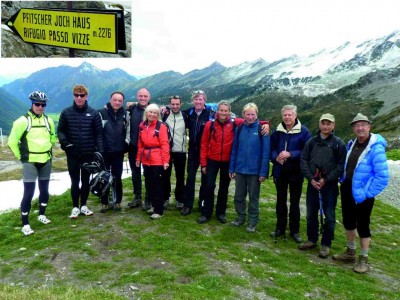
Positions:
{"x": 38, "y": 96}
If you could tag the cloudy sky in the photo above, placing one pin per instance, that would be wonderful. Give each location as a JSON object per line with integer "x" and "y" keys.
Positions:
{"x": 183, "y": 35}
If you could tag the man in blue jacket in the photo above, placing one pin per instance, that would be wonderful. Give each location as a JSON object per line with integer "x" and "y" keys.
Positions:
{"x": 366, "y": 174}
{"x": 287, "y": 142}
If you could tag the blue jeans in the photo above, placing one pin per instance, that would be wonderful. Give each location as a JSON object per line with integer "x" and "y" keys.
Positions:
{"x": 329, "y": 195}
{"x": 251, "y": 184}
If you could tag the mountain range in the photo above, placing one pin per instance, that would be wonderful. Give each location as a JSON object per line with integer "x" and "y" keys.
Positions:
{"x": 363, "y": 77}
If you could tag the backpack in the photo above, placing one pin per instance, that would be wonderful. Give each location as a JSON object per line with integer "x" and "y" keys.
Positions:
{"x": 157, "y": 133}
{"x": 212, "y": 129}
{"x": 101, "y": 183}
{"x": 94, "y": 163}
{"x": 260, "y": 135}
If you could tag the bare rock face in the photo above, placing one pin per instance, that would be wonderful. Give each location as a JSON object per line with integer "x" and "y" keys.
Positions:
{"x": 13, "y": 47}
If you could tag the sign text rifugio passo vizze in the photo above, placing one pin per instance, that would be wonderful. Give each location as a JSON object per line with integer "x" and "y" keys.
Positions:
{"x": 93, "y": 31}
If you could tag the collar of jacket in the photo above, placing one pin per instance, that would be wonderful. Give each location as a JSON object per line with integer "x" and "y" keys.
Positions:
{"x": 34, "y": 115}
{"x": 295, "y": 129}
{"x": 83, "y": 108}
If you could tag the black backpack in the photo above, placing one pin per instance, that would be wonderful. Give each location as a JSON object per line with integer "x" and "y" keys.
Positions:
{"x": 101, "y": 183}
{"x": 157, "y": 133}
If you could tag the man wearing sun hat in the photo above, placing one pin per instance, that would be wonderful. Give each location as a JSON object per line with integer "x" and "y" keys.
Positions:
{"x": 321, "y": 163}
{"x": 31, "y": 139}
{"x": 366, "y": 174}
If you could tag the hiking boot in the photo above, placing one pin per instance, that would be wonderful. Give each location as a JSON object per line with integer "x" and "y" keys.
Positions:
{"x": 348, "y": 256}
{"x": 146, "y": 205}
{"x": 166, "y": 203}
{"x": 202, "y": 220}
{"x": 86, "y": 211}
{"x": 297, "y": 238}
{"x": 104, "y": 208}
{"x": 150, "y": 211}
{"x": 186, "y": 211}
{"x": 221, "y": 219}
{"x": 117, "y": 207}
{"x": 237, "y": 222}
{"x": 251, "y": 228}
{"x": 179, "y": 205}
{"x": 136, "y": 202}
{"x": 276, "y": 233}
{"x": 324, "y": 252}
{"x": 75, "y": 213}
{"x": 362, "y": 265}
{"x": 43, "y": 219}
{"x": 27, "y": 230}
{"x": 307, "y": 245}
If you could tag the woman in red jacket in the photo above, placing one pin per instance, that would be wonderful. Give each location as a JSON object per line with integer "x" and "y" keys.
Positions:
{"x": 215, "y": 152}
{"x": 153, "y": 154}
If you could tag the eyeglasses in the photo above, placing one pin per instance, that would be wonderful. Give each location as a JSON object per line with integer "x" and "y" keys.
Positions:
{"x": 175, "y": 97}
{"x": 79, "y": 95}
{"x": 40, "y": 104}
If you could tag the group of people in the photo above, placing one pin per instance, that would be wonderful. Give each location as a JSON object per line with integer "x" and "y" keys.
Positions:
{"x": 236, "y": 148}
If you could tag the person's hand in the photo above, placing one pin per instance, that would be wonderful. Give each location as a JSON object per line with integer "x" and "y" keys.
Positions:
{"x": 166, "y": 166}
{"x": 129, "y": 104}
{"x": 318, "y": 184}
{"x": 261, "y": 178}
{"x": 265, "y": 129}
{"x": 283, "y": 157}
{"x": 137, "y": 164}
{"x": 232, "y": 175}
{"x": 163, "y": 109}
{"x": 204, "y": 170}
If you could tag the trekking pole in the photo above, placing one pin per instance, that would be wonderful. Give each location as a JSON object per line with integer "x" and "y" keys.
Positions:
{"x": 321, "y": 213}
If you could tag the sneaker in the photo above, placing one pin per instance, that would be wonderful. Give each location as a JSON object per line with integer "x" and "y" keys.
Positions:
{"x": 237, "y": 222}
{"x": 348, "y": 256}
{"x": 179, "y": 205}
{"x": 150, "y": 211}
{"x": 362, "y": 265}
{"x": 251, "y": 228}
{"x": 155, "y": 216}
{"x": 136, "y": 202}
{"x": 307, "y": 245}
{"x": 166, "y": 203}
{"x": 117, "y": 207}
{"x": 43, "y": 219}
{"x": 86, "y": 211}
{"x": 74, "y": 213}
{"x": 324, "y": 252}
{"x": 27, "y": 230}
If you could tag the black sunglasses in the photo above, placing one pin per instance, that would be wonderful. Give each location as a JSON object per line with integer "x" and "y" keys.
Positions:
{"x": 40, "y": 104}
{"x": 79, "y": 95}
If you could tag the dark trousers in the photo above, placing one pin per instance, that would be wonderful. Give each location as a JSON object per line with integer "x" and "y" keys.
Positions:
{"x": 178, "y": 159}
{"x": 293, "y": 181}
{"x": 136, "y": 171}
{"x": 29, "y": 190}
{"x": 329, "y": 194}
{"x": 78, "y": 175}
{"x": 114, "y": 162}
{"x": 192, "y": 167}
{"x": 207, "y": 204}
{"x": 153, "y": 176}
{"x": 355, "y": 216}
